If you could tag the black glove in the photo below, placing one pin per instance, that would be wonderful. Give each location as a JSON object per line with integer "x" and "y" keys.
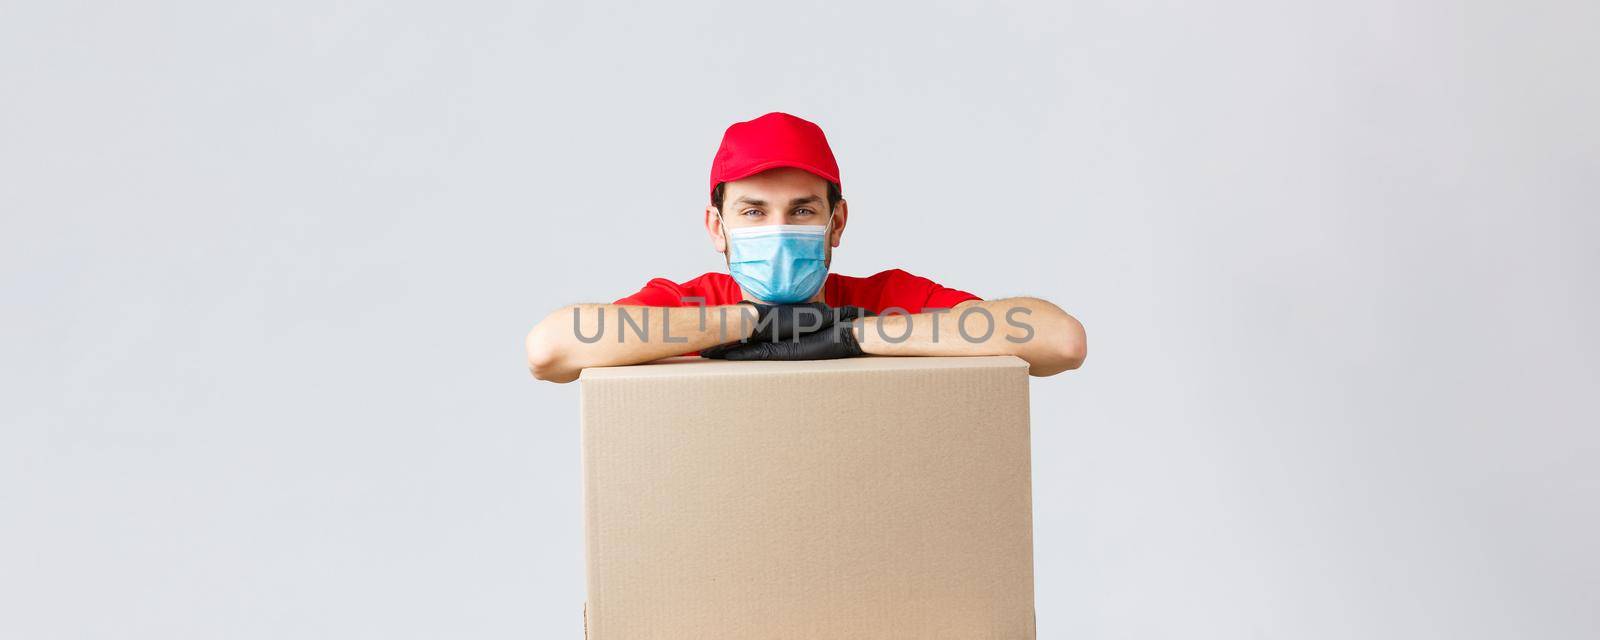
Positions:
{"x": 787, "y": 321}
{"x": 837, "y": 340}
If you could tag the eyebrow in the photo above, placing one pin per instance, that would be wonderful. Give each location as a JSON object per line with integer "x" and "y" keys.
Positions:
{"x": 811, "y": 199}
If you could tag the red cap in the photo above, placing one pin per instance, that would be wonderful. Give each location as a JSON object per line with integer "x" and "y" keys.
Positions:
{"x": 771, "y": 141}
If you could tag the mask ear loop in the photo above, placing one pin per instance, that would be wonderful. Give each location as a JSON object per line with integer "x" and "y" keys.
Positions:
{"x": 727, "y": 243}
{"x": 727, "y": 251}
{"x": 827, "y": 254}
{"x": 827, "y": 234}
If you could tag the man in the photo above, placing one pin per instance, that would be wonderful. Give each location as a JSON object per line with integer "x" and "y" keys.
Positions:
{"x": 777, "y": 211}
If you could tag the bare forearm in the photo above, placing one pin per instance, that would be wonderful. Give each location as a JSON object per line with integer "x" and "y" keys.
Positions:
{"x": 602, "y": 335}
{"x": 1049, "y": 339}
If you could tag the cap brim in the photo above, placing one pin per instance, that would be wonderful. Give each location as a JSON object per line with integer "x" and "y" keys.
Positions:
{"x": 774, "y": 164}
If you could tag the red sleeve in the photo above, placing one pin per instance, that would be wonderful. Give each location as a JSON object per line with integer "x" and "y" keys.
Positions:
{"x": 658, "y": 292}
{"x": 942, "y": 297}
{"x": 914, "y": 293}
{"x": 930, "y": 294}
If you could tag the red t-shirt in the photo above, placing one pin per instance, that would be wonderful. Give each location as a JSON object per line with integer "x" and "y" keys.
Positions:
{"x": 875, "y": 293}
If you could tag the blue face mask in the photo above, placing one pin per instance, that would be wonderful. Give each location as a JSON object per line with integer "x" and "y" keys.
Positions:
{"x": 779, "y": 264}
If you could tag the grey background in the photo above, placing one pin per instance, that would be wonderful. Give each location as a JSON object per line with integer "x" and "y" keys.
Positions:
{"x": 267, "y": 269}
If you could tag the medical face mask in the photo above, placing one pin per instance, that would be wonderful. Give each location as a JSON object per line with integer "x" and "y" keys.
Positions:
{"x": 779, "y": 264}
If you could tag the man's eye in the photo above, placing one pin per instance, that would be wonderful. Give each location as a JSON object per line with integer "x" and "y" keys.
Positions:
{"x": 751, "y": 212}
{"x": 802, "y": 212}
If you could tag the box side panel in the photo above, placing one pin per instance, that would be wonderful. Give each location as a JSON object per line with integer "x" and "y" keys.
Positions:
{"x": 864, "y": 504}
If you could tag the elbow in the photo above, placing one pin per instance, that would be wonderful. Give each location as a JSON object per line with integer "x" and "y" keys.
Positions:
{"x": 1072, "y": 346}
{"x": 1064, "y": 348}
{"x": 1058, "y": 358}
{"x": 545, "y": 360}
{"x": 1073, "y": 353}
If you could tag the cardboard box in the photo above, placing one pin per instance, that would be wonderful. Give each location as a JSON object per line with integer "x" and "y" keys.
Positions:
{"x": 859, "y": 498}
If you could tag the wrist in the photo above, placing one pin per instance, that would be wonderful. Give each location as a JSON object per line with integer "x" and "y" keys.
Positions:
{"x": 874, "y": 338}
{"x": 744, "y": 319}
{"x": 867, "y": 336}
{"x": 851, "y": 336}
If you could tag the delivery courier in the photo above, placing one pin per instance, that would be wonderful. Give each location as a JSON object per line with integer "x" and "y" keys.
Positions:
{"x": 776, "y": 213}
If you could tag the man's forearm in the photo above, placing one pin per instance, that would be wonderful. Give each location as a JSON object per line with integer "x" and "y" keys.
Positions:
{"x": 601, "y": 335}
{"x": 1049, "y": 339}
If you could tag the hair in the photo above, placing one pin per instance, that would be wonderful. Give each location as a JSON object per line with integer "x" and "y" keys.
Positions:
{"x": 834, "y": 195}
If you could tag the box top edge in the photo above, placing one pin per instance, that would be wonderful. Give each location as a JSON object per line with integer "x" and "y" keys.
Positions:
{"x": 696, "y": 366}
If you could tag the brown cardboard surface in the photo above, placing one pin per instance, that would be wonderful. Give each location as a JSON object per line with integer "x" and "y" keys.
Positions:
{"x": 859, "y": 498}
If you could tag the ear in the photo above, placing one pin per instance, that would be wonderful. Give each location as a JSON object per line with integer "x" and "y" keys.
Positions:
{"x": 714, "y": 229}
{"x": 841, "y": 215}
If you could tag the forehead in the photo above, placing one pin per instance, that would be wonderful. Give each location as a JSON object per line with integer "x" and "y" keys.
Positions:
{"x": 780, "y": 183}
